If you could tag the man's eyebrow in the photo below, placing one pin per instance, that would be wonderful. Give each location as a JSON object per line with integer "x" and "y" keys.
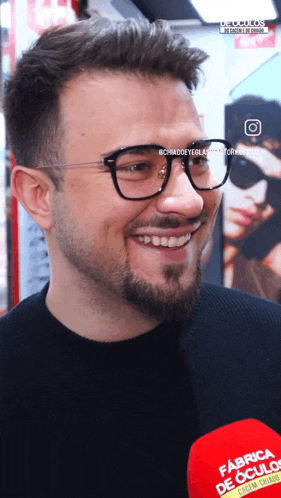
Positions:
{"x": 110, "y": 152}
{"x": 200, "y": 140}
{"x": 105, "y": 154}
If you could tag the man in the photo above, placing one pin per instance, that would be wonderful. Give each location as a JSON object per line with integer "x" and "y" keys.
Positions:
{"x": 253, "y": 200}
{"x": 113, "y": 370}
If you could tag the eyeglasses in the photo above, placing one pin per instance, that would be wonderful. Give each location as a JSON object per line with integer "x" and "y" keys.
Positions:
{"x": 142, "y": 171}
{"x": 245, "y": 174}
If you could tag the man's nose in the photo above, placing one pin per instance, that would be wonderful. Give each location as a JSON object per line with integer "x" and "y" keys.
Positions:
{"x": 179, "y": 196}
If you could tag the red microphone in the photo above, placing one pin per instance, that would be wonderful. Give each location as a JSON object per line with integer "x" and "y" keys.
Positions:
{"x": 236, "y": 460}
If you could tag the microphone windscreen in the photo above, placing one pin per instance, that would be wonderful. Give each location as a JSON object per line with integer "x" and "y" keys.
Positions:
{"x": 239, "y": 459}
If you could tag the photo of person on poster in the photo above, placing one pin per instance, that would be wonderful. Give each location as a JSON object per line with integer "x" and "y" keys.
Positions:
{"x": 252, "y": 199}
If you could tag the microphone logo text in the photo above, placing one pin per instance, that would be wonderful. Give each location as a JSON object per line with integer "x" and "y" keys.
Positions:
{"x": 271, "y": 470}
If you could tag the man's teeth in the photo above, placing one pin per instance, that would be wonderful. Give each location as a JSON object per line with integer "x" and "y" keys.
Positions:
{"x": 165, "y": 241}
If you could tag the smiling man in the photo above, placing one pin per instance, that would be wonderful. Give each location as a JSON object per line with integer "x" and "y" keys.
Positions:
{"x": 112, "y": 371}
{"x": 141, "y": 256}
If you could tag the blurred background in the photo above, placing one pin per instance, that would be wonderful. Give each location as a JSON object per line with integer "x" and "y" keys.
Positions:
{"x": 239, "y": 99}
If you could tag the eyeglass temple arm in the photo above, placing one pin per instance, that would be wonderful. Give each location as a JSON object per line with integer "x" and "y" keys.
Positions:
{"x": 68, "y": 165}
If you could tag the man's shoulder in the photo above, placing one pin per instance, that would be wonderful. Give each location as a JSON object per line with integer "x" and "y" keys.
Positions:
{"x": 23, "y": 317}
{"x": 24, "y": 307}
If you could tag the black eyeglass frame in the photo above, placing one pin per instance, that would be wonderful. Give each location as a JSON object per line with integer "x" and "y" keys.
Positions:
{"x": 110, "y": 161}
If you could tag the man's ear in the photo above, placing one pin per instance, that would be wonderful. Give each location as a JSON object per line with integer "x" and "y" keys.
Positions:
{"x": 33, "y": 189}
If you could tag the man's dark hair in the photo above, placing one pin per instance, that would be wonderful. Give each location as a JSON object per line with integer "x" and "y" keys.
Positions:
{"x": 32, "y": 93}
{"x": 253, "y": 107}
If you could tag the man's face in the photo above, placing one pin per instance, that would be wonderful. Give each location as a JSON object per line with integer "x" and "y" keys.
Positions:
{"x": 100, "y": 236}
{"x": 246, "y": 209}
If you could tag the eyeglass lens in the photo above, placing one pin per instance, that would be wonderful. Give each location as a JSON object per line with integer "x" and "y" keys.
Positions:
{"x": 142, "y": 172}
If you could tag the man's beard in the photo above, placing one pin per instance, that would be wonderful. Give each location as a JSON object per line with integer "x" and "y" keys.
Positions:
{"x": 98, "y": 273}
{"x": 169, "y": 301}
{"x": 158, "y": 302}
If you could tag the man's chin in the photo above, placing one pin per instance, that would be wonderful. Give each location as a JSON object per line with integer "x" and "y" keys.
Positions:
{"x": 169, "y": 302}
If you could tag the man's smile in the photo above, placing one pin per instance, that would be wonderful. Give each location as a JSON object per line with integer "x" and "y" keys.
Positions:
{"x": 172, "y": 238}
{"x": 168, "y": 242}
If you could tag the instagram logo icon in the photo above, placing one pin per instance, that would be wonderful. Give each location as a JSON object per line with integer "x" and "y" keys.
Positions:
{"x": 252, "y": 127}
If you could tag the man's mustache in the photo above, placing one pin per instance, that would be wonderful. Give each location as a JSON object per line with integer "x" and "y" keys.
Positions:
{"x": 166, "y": 222}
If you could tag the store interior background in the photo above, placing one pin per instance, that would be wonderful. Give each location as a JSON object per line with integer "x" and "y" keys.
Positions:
{"x": 226, "y": 76}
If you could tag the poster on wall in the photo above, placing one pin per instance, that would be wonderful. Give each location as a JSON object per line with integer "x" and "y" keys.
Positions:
{"x": 252, "y": 197}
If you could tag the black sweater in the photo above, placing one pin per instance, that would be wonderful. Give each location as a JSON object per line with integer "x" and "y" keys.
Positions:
{"x": 81, "y": 418}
